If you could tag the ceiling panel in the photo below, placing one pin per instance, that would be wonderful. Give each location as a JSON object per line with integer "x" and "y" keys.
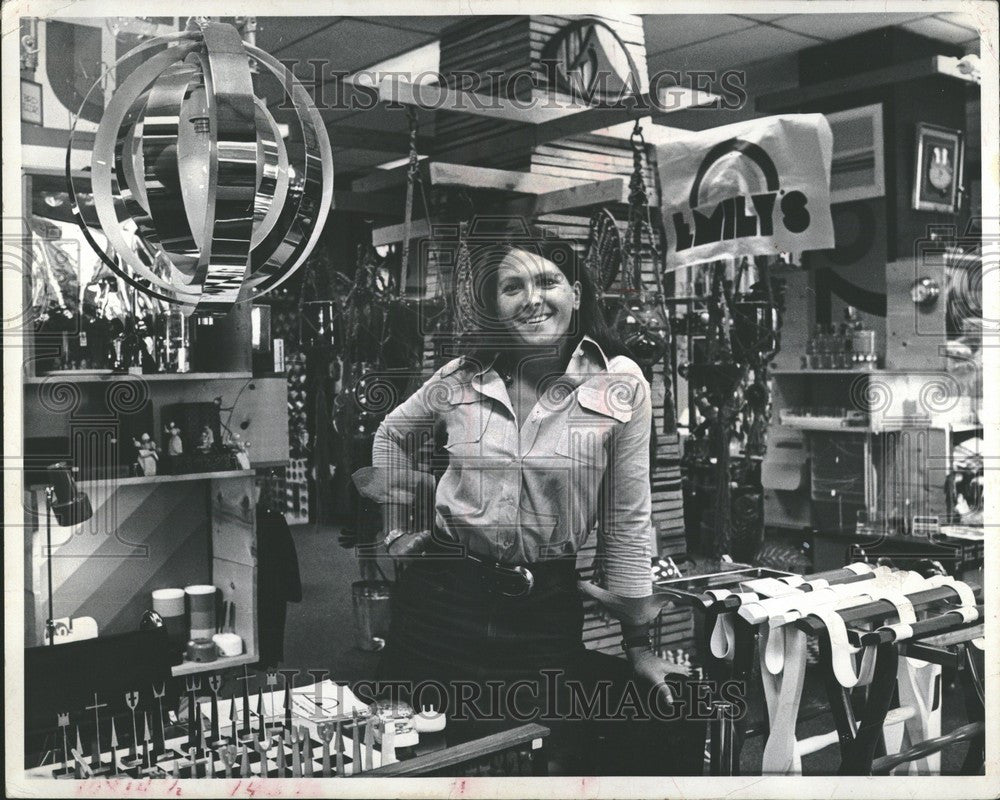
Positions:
{"x": 838, "y": 26}
{"x": 422, "y": 24}
{"x": 762, "y": 17}
{"x": 276, "y": 33}
{"x": 348, "y": 44}
{"x": 353, "y": 159}
{"x": 731, "y": 50}
{"x": 956, "y": 18}
{"x": 942, "y": 29}
{"x": 669, "y": 31}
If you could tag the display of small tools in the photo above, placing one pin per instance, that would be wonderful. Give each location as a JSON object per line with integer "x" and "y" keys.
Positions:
{"x": 258, "y": 745}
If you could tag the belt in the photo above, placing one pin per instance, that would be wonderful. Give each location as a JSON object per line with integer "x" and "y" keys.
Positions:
{"x": 504, "y": 579}
{"x": 508, "y": 580}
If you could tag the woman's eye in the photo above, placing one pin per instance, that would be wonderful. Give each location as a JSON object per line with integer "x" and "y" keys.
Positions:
{"x": 511, "y": 288}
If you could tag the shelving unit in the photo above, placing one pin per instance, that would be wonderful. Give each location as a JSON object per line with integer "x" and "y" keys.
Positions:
{"x": 145, "y": 534}
{"x": 156, "y": 377}
{"x": 195, "y": 668}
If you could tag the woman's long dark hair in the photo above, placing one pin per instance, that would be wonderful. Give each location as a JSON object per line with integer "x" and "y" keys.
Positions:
{"x": 492, "y": 341}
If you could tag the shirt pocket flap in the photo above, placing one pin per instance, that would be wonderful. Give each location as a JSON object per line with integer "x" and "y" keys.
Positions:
{"x": 609, "y": 401}
{"x": 467, "y": 418}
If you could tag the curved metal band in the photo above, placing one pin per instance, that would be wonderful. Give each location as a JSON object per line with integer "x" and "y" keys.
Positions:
{"x": 102, "y": 177}
{"x": 316, "y": 189}
{"x": 279, "y": 247}
{"x": 225, "y": 254}
{"x": 162, "y": 177}
{"x": 273, "y": 188}
{"x": 132, "y": 188}
{"x": 136, "y": 281}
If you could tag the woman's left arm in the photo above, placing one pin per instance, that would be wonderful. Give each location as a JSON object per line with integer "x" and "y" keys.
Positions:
{"x": 626, "y": 503}
{"x": 628, "y": 532}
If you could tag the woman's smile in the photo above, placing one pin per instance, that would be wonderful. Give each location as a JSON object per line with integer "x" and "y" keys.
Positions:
{"x": 535, "y": 301}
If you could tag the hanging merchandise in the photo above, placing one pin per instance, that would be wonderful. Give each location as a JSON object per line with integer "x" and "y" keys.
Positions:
{"x": 642, "y": 320}
{"x": 189, "y": 151}
{"x": 604, "y": 254}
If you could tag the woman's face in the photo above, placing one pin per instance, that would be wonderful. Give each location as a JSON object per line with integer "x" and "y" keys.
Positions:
{"x": 535, "y": 301}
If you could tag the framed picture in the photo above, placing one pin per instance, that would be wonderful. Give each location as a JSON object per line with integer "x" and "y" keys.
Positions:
{"x": 938, "y": 177}
{"x": 31, "y": 102}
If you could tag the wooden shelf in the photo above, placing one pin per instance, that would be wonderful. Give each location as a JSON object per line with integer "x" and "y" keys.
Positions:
{"x": 156, "y": 377}
{"x": 153, "y": 479}
{"x": 195, "y": 667}
{"x": 824, "y": 427}
{"x": 826, "y": 371}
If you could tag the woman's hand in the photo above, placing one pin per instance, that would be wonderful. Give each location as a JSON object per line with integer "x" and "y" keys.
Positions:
{"x": 651, "y": 670}
{"x": 400, "y": 545}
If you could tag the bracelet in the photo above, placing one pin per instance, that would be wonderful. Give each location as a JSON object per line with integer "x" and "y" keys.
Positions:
{"x": 640, "y": 640}
{"x": 391, "y": 537}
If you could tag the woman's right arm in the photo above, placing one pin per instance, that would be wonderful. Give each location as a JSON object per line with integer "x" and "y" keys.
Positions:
{"x": 402, "y": 452}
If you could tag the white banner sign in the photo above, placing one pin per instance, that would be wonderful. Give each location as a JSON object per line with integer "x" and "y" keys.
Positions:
{"x": 753, "y": 188}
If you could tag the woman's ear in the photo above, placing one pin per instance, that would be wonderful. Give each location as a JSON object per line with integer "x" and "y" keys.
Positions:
{"x": 577, "y": 294}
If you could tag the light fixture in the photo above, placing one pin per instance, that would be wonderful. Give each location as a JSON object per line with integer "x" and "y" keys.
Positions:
{"x": 70, "y": 506}
{"x": 189, "y": 151}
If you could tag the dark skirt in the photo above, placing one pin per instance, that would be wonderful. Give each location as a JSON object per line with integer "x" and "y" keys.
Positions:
{"x": 446, "y": 623}
{"x": 522, "y": 659}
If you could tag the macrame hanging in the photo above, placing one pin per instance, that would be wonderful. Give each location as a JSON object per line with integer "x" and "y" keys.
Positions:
{"x": 642, "y": 319}
{"x": 604, "y": 255}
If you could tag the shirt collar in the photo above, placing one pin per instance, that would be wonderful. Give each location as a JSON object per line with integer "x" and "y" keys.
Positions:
{"x": 590, "y": 347}
{"x": 588, "y": 352}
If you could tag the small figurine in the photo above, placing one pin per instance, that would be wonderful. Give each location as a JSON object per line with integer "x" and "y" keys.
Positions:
{"x": 175, "y": 446}
{"x": 207, "y": 440}
{"x": 148, "y": 455}
{"x": 240, "y": 451}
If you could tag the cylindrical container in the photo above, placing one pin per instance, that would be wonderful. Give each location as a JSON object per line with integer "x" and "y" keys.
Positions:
{"x": 201, "y": 611}
{"x": 201, "y": 651}
{"x": 371, "y": 601}
{"x": 169, "y": 604}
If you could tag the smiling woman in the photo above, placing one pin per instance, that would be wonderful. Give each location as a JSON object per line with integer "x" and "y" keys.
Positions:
{"x": 540, "y": 434}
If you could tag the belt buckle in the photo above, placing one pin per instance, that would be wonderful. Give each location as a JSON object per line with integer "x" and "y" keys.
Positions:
{"x": 527, "y": 580}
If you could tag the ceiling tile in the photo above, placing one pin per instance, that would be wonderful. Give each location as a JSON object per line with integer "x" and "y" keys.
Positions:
{"x": 957, "y": 18}
{"x": 669, "y": 31}
{"x": 353, "y": 159}
{"x": 762, "y": 17}
{"x": 349, "y": 44}
{"x": 941, "y": 30}
{"x": 415, "y": 23}
{"x": 276, "y": 33}
{"x": 839, "y": 26}
{"x": 733, "y": 50}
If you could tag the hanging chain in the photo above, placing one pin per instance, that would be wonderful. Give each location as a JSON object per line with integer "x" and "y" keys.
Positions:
{"x": 411, "y": 178}
{"x": 639, "y": 218}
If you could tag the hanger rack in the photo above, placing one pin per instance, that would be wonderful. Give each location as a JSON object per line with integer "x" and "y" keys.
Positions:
{"x": 897, "y": 672}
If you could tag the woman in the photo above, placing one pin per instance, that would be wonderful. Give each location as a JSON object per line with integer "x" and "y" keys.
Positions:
{"x": 537, "y": 435}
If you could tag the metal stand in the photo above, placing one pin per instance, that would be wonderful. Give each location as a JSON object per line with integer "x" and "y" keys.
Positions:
{"x": 50, "y": 625}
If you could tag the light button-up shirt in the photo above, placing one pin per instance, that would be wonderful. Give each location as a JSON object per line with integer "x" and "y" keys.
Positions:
{"x": 524, "y": 494}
